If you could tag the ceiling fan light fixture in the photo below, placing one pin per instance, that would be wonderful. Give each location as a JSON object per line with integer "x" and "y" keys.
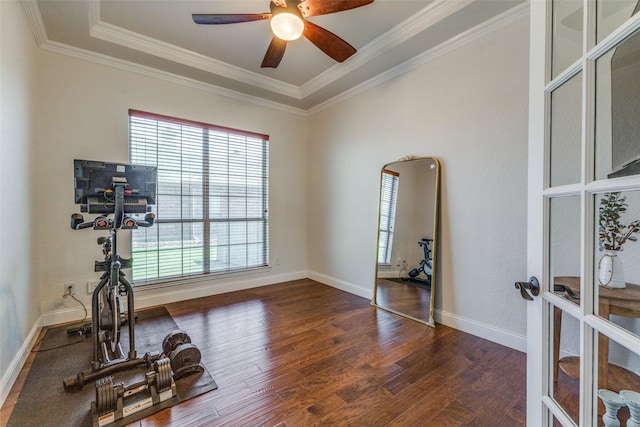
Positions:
{"x": 287, "y": 26}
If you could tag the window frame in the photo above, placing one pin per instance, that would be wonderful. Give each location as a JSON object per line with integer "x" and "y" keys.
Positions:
{"x": 207, "y": 217}
{"x": 388, "y": 201}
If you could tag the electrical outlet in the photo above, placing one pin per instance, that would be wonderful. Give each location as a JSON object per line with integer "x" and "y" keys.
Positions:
{"x": 68, "y": 290}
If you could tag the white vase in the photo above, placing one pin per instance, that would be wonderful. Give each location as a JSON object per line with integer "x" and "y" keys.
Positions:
{"x": 632, "y": 398}
{"x": 611, "y": 270}
{"x": 612, "y": 403}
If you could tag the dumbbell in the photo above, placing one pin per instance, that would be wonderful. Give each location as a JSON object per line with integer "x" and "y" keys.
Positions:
{"x": 184, "y": 356}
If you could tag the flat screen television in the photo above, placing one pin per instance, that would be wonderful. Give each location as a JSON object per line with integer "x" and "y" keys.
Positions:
{"x": 94, "y": 182}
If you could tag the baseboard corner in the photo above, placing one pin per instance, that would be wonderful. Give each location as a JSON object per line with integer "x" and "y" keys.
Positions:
{"x": 11, "y": 375}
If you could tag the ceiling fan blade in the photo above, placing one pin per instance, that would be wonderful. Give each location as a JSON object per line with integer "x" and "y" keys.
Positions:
{"x": 322, "y": 7}
{"x": 228, "y": 18}
{"x": 328, "y": 42}
{"x": 274, "y": 53}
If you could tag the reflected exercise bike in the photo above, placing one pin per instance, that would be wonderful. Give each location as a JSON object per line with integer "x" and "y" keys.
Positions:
{"x": 422, "y": 274}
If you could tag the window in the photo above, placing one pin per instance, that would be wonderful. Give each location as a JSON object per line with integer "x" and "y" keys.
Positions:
{"x": 388, "y": 197}
{"x": 212, "y": 202}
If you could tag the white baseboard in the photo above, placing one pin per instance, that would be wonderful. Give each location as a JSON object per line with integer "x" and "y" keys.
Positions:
{"x": 212, "y": 287}
{"x": 341, "y": 284}
{"x": 485, "y": 331}
{"x": 10, "y": 376}
{"x": 168, "y": 294}
{"x": 482, "y": 330}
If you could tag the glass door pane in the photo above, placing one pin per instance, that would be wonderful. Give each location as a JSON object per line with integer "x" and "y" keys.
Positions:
{"x": 612, "y": 13}
{"x": 566, "y": 34}
{"x": 617, "y": 258}
{"x": 564, "y": 275}
{"x": 618, "y": 110}
{"x": 564, "y": 247}
{"x": 566, "y": 135}
{"x": 565, "y": 363}
{"x": 618, "y": 383}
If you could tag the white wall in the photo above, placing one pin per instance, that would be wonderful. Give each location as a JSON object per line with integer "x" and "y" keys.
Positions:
{"x": 83, "y": 109}
{"x": 469, "y": 108}
{"x": 20, "y": 227}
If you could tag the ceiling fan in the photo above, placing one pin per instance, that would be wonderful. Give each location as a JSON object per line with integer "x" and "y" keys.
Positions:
{"x": 288, "y": 23}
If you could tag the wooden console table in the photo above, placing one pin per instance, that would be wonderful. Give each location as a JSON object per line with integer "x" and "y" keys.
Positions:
{"x": 620, "y": 302}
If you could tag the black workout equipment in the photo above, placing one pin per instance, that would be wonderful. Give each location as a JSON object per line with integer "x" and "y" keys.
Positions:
{"x": 184, "y": 356}
{"x": 121, "y": 190}
{"x": 425, "y": 267}
{"x": 115, "y": 402}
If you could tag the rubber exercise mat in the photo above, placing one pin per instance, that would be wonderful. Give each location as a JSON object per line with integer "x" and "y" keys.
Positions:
{"x": 43, "y": 400}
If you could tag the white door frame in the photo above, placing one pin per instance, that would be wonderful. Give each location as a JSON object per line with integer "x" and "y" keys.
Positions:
{"x": 535, "y": 223}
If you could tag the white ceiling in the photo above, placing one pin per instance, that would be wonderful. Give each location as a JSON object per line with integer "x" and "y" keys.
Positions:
{"x": 160, "y": 35}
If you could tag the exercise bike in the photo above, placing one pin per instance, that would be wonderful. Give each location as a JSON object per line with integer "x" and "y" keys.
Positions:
{"x": 114, "y": 192}
{"x": 107, "y": 309}
{"x": 422, "y": 273}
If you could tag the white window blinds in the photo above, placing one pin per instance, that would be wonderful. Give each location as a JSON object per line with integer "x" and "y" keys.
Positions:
{"x": 212, "y": 202}
{"x": 388, "y": 197}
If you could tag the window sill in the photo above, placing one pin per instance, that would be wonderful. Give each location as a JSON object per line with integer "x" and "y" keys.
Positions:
{"x": 197, "y": 278}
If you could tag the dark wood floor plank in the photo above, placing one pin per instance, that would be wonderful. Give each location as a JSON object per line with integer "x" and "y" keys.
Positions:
{"x": 305, "y": 354}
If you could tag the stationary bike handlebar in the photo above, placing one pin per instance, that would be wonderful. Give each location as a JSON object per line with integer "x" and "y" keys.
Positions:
{"x": 119, "y": 221}
{"x": 104, "y": 223}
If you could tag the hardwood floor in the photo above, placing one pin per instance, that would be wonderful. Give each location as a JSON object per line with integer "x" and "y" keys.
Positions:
{"x": 302, "y": 354}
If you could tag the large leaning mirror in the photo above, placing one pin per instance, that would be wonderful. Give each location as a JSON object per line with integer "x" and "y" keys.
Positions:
{"x": 408, "y": 238}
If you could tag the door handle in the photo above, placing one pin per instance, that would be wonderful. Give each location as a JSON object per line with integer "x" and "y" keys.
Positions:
{"x": 532, "y": 286}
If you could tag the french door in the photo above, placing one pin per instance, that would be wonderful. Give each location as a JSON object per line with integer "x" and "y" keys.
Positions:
{"x": 584, "y": 205}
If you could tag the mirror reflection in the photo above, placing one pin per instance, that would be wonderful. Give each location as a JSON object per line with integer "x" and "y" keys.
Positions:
{"x": 407, "y": 238}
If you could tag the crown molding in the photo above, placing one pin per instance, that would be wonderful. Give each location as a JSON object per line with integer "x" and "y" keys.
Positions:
{"x": 63, "y": 49}
{"x": 34, "y": 17}
{"x": 420, "y": 21}
{"x": 514, "y": 14}
{"x": 428, "y": 14}
{"x": 120, "y": 36}
{"x": 39, "y": 31}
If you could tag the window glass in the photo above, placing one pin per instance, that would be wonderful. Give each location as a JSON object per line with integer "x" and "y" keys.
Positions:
{"x": 388, "y": 198}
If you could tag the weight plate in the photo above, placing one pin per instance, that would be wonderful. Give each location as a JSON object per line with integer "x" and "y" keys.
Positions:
{"x": 106, "y": 396}
{"x": 174, "y": 339}
{"x": 183, "y": 356}
{"x": 163, "y": 374}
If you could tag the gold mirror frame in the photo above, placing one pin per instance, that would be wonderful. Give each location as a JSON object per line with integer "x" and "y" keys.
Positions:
{"x": 428, "y": 319}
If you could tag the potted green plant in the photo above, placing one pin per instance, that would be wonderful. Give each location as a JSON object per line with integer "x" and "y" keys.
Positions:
{"x": 612, "y": 237}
